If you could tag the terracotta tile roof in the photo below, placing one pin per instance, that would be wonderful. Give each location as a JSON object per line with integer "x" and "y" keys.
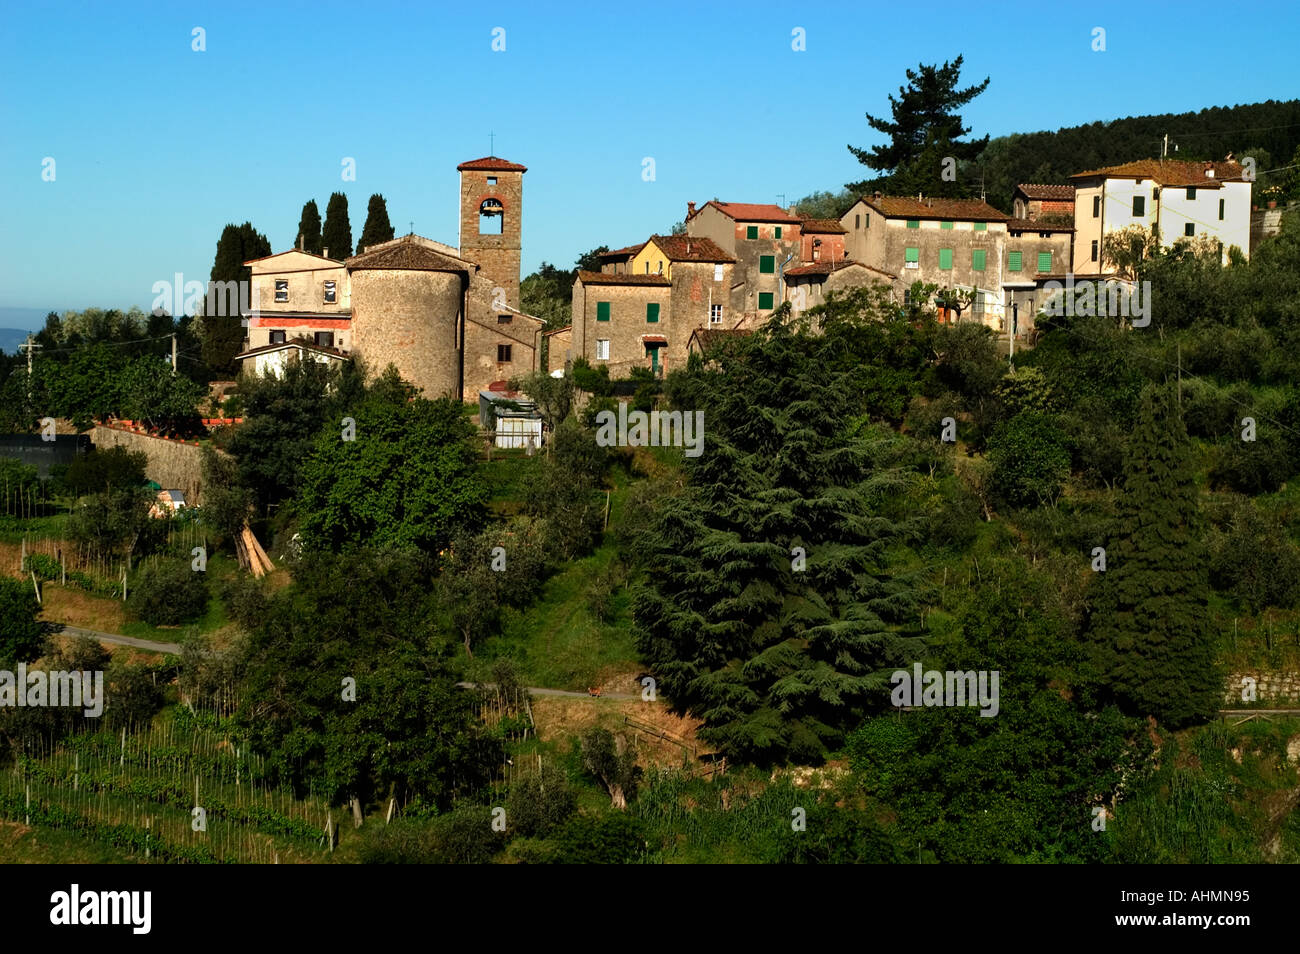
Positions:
{"x": 823, "y": 226}
{"x": 629, "y": 252}
{"x": 408, "y": 254}
{"x": 1048, "y": 193}
{"x": 689, "y": 248}
{"x": 556, "y": 331}
{"x": 825, "y": 268}
{"x": 1170, "y": 172}
{"x": 301, "y": 345}
{"x": 909, "y": 207}
{"x": 491, "y": 164}
{"x": 604, "y": 278}
{"x": 708, "y": 337}
{"x": 1034, "y": 225}
{"x": 749, "y": 212}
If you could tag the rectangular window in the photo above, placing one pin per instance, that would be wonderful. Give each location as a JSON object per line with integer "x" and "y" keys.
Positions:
{"x": 715, "y": 314}
{"x": 777, "y": 231}
{"x": 602, "y": 349}
{"x": 945, "y": 258}
{"x": 503, "y": 353}
{"x": 911, "y": 257}
{"x": 492, "y": 180}
{"x": 1191, "y": 193}
{"x": 765, "y": 301}
{"x": 602, "y": 311}
{"x": 717, "y": 273}
{"x": 751, "y": 231}
{"x": 857, "y": 221}
{"x": 504, "y": 319}
{"x": 981, "y": 226}
{"x": 324, "y": 339}
{"x": 913, "y": 223}
{"x": 766, "y": 264}
{"x": 652, "y": 312}
{"x": 945, "y": 225}
{"x": 1096, "y": 206}
{"x": 282, "y": 289}
{"x": 1044, "y": 262}
{"x": 1139, "y": 206}
{"x": 866, "y": 221}
{"x": 330, "y": 293}
{"x": 1014, "y": 261}
{"x": 277, "y": 337}
{"x": 977, "y": 259}
{"x": 1094, "y": 250}
{"x": 1220, "y": 210}
{"x": 1189, "y": 229}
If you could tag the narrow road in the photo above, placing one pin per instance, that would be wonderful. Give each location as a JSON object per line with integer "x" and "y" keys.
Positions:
{"x": 537, "y": 691}
{"x": 146, "y": 644}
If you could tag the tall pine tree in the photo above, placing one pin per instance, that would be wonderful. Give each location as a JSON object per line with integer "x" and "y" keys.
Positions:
{"x": 377, "y": 228}
{"x": 769, "y": 611}
{"x": 1152, "y": 651}
{"x": 309, "y": 228}
{"x": 336, "y": 236}
{"x": 223, "y": 335}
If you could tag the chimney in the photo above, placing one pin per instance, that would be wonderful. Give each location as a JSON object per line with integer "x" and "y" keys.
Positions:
{"x": 690, "y": 209}
{"x": 1209, "y": 169}
{"x": 688, "y": 246}
{"x": 325, "y": 252}
{"x": 877, "y": 194}
{"x": 300, "y": 242}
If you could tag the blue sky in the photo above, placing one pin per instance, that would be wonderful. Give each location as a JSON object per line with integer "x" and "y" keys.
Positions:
{"x": 157, "y": 146}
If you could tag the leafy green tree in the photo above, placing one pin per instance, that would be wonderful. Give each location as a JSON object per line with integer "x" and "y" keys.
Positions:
{"x": 227, "y": 504}
{"x": 153, "y": 394}
{"x": 1152, "y": 650}
{"x": 336, "y": 236}
{"x": 925, "y": 128}
{"x": 1031, "y": 459}
{"x": 377, "y": 228}
{"x": 611, "y": 759}
{"x": 21, "y": 633}
{"x": 106, "y": 468}
{"x": 114, "y": 522}
{"x": 309, "y": 233}
{"x": 167, "y": 593}
{"x": 566, "y": 493}
{"x": 553, "y": 396}
{"x": 409, "y": 479}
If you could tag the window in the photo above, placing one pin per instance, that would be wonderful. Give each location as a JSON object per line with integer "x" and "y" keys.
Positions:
{"x": 1220, "y": 210}
{"x": 765, "y": 301}
{"x": 777, "y": 231}
{"x": 977, "y": 257}
{"x": 945, "y": 258}
{"x": 661, "y": 267}
{"x": 981, "y": 226}
{"x": 1014, "y": 261}
{"x": 1044, "y": 262}
{"x": 1189, "y": 229}
{"x": 492, "y": 180}
{"x": 282, "y": 289}
{"x": 1191, "y": 193}
{"x": 652, "y": 312}
{"x": 330, "y": 294}
{"x": 324, "y": 339}
{"x": 647, "y": 266}
{"x": 751, "y": 231}
{"x": 945, "y": 225}
{"x": 857, "y": 221}
{"x": 1139, "y": 206}
{"x": 911, "y": 257}
{"x": 715, "y": 314}
{"x": 817, "y": 254}
{"x": 766, "y": 264}
{"x": 491, "y": 217}
{"x": 504, "y": 319}
{"x": 602, "y": 311}
{"x": 277, "y": 337}
{"x": 602, "y": 349}
{"x": 503, "y": 353}
{"x": 1094, "y": 250}
{"x": 717, "y": 273}
{"x": 1096, "y": 206}
{"x": 913, "y": 223}
{"x": 866, "y": 221}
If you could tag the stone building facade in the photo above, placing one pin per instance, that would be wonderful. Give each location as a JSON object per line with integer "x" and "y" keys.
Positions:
{"x": 763, "y": 239}
{"x": 1035, "y": 201}
{"x": 621, "y": 321}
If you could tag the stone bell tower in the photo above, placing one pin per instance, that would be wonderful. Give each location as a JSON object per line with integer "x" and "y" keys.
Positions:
{"x": 491, "y": 222}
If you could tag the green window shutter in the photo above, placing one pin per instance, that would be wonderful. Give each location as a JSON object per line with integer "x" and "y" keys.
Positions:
{"x": 913, "y": 223}
{"x": 1013, "y": 261}
{"x": 652, "y": 312}
{"x": 977, "y": 260}
{"x": 1139, "y": 205}
{"x": 602, "y": 311}
{"x": 1044, "y": 261}
{"x": 945, "y": 225}
{"x": 778, "y": 231}
{"x": 1220, "y": 210}
{"x": 751, "y": 231}
{"x": 945, "y": 258}
{"x": 765, "y": 301}
{"x": 913, "y": 255}
{"x": 766, "y": 264}
{"x": 981, "y": 226}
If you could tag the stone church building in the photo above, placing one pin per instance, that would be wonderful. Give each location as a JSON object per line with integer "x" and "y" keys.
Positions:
{"x": 447, "y": 318}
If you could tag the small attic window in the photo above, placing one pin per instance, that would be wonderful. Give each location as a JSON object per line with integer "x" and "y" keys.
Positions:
{"x": 492, "y": 180}
{"x": 491, "y": 217}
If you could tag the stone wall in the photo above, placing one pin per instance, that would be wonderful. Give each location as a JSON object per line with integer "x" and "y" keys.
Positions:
{"x": 496, "y": 255}
{"x": 174, "y": 464}
{"x": 1279, "y": 688}
{"x": 409, "y": 318}
{"x": 626, "y": 326}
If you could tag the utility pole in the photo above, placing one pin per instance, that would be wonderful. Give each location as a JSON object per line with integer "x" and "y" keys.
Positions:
{"x": 29, "y": 346}
{"x": 173, "y": 354}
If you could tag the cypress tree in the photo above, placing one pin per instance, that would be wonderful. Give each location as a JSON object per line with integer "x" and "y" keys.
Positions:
{"x": 309, "y": 228}
{"x": 223, "y": 335}
{"x": 378, "y": 228}
{"x": 336, "y": 236}
{"x": 1151, "y": 649}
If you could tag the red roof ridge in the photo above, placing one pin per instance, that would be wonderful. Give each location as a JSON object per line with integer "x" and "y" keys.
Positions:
{"x": 491, "y": 164}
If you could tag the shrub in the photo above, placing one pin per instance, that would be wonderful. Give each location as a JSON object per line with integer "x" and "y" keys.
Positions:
{"x": 20, "y": 631}
{"x": 1031, "y": 458}
{"x": 168, "y": 593}
{"x": 538, "y": 804}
